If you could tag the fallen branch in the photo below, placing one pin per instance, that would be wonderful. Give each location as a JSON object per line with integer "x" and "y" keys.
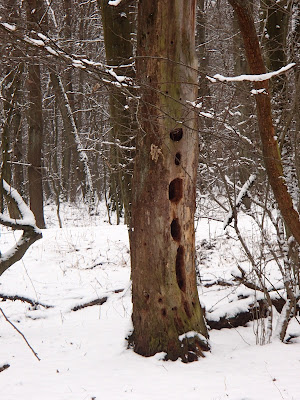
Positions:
{"x": 32, "y": 302}
{"x": 256, "y": 310}
{"x": 218, "y": 282}
{"x": 95, "y": 302}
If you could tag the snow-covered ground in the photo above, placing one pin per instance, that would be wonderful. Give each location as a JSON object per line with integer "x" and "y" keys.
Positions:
{"x": 83, "y": 354}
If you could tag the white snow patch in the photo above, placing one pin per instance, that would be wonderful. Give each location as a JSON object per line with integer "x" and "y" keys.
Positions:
{"x": 34, "y": 42}
{"x": 118, "y": 77}
{"x": 258, "y": 91}
{"x": 9, "y": 26}
{"x": 114, "y": 2}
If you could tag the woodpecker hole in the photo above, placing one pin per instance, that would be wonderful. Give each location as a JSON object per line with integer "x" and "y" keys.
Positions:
{"x": 176, "y": 134}
{"x": 175, "y": 190}
{"x": 180, "y": 271}
{"x": 175, "y": 230}
{"x": 177, "y": 158}
{"x": 163, "y": 312}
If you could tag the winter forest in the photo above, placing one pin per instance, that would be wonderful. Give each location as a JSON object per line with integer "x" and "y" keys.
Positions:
{"x": 150, "y": 199}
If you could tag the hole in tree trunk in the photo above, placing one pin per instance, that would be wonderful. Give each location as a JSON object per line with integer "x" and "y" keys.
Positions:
{"x": 176, "y": 134}
{"x": 175, "y": 190}
{"x": 177, "y": 158}
{"x": 175, "y": 230}
{"x": 180, "y": 271}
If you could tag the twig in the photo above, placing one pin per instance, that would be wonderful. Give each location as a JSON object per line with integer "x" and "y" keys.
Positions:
{"x": 20, "y": 334}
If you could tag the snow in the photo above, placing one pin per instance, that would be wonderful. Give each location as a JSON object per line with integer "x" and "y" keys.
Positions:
{"x": 258, "y": 91}
{"x": 119, "y": 78}
{"x": 51, "y": 51}
{"x": 8, "y": 26}
{"x": 83, "y": 353}
{"x": 114, "y": 2}
{"x": 34, "y": 42}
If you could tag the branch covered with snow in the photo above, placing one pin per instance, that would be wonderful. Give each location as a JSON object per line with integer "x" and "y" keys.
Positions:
{"x": 242, "y": 194}
{"x": 250, "y": 78}
{"x": 48, "y": 46}
{"x": 27, "y": 223}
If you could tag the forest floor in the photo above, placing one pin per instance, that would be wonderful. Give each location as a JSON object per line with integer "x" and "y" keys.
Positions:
{"x": 83, "y": 354}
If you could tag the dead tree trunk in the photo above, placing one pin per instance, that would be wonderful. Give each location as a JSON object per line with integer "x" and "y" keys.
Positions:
{"x": 167, "y": 316}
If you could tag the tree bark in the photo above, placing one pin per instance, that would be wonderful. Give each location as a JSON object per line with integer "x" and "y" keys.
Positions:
{"x": 164, "y": 292}
{"x": 35, "y": 125}
{"x": 270, "y": 148}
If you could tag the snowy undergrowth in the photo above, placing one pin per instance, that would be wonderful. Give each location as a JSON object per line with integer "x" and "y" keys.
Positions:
{"x": 83, "y": 353}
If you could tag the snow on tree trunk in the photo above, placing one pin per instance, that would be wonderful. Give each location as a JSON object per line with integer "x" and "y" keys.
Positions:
{"x": 167, "y": 316}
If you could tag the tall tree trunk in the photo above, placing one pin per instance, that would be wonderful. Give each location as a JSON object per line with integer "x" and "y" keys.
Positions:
{"x": 167, "y": 316}
{"x": 35, "y": 124}
{"x": 70, "y": 178}
{"x": 10, "y": 94}
{"x": 118, "y": 30}
{"x": 270, "y": 148}
{"x": 10, "y": 91}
